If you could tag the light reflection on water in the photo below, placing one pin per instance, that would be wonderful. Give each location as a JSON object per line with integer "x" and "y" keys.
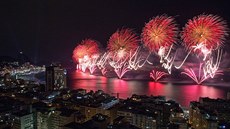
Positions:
{"x": 182, "y": 93}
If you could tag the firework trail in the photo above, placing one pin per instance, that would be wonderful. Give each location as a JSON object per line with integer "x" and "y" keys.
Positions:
{"x": 120, "y": 66}
{"x": 136, "y": 60}
{"x": 101, "y": 64}
{"x": 92, "y": 65}
{"x": 199, "y": 77}
{"x": 156, "y": 75}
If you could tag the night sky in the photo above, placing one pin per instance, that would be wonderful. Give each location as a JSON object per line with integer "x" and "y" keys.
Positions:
{"x": 48, "y": 30}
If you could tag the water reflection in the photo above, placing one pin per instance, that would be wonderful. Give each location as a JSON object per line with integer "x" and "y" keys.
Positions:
{"x": 181, "y": 93}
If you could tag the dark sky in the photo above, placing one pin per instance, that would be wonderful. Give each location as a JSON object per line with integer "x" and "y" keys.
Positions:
{"x": 48, "y": 30}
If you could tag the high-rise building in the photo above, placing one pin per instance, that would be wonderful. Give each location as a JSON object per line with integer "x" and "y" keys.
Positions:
{"x": 52, "y": 118}
{"x": 149, "y": 112}
{"x": 210, "y": 114}
{"x": 55, "y": 78}
{"x": 47, "y": 119}
{"x": 23, "y": 120}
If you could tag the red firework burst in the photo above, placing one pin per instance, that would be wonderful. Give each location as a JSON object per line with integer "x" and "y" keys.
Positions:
{"x": 160, "y": 31}
{"x": 88, "y": 47}
{"x": 207, "y": 29}
{"x": 123, "y": 40}
{"x": 92, "y": 47}
{"x": 79, "y": 52}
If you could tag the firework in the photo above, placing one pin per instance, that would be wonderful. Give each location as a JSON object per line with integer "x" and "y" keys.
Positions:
{"x": 199, "y": 77}
{"x": 83, "y": 63}
{"x": 158, "y": 32}
{"x": 156, "y": 75}
{"x": 120, "y": 66}
{"x": 104, "y": 71}
{"x": 122, "y": 42}
{"x": 86, "y": 55}
{"x": 159, "y": 35}
{"x": 136, "y": 60}
{"x": 210, "y": 67}
{"x": 80, "y": 57}
{"x": 165, "y": 59}
{"x": 204, "y": 34}
{"x": 133, "y": 61}
{"x": 120, "y": 45}
{"x": 92, "y": 47}
{"x": 102, "y": 63}
{"x": 210, "y": 30}
{"x": 92, "y": 63}
{"x": 79, "y": 52}
{"x": 87, "y": 47}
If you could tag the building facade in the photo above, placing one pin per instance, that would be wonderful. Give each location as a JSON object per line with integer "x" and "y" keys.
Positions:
{"x": 55, "y": 78}
{"x": 210, "y": 114}
{"x": 23, "y": 121}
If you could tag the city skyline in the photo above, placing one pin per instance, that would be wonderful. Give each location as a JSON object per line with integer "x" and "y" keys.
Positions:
{"x": 131, "y": 64}
{"x": 41, "y": 28}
